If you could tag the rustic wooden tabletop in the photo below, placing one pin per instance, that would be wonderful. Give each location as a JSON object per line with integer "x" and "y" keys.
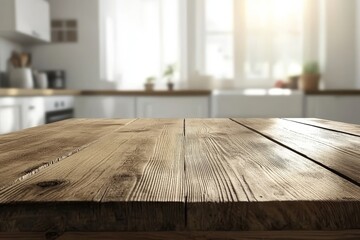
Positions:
{"x": 182, "y": 178}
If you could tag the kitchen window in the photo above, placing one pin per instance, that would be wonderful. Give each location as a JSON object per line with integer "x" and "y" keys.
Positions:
{"x": 241, "y": 42}
{"x": 141, "y": 40}
{"x": 250, "y": 42}
{"x": 218, "y": 52}
{"x": 273, "y": 39}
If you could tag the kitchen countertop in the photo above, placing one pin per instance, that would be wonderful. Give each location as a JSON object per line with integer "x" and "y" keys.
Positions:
{"x": 181, "y": 176}
{"x": 52, "y": 92}
{"x": 146, "y": 93}
{"x": 17, "y": 92}
{"x": 14, "y": 92}
{"x": 345, "y": 92}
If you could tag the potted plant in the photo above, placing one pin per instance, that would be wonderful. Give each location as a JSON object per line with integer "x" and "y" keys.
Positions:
{"x": 149, "y": 85}
{"x": 169, "y": 75}
{"x": 310, "y": 79}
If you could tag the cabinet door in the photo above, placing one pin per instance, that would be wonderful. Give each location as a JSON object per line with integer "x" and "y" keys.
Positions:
{"x": 336, "y": 108}
{"x": 10, "y": 115}
{"x": 33, "y": 18}
{"x": 244, "y": 105}
{"x": 172, "y": 107}
{"x": 33, "y": 112}
{"x": 104, "y": 107}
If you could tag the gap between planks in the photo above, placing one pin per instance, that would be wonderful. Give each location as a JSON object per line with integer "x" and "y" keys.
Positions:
{"x": 37, "y": 169}
{"x": 184, "y": 149}
{"x": 318, "y": 126}
{"x": 299, "y": 153}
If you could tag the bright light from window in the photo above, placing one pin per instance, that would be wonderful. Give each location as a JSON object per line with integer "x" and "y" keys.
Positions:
{"x": 219, "y": 44}
{"x": 274, "y": 39}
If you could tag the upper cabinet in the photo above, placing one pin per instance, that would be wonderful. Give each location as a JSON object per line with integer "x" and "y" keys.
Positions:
{"x": 26, "y": 21}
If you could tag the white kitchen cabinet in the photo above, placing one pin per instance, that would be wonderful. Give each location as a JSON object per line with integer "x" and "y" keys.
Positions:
{"x": 257, "y": 103}
{"x": 33, "y": 109}
{"x": 17, "y": 113}
{"x": 172, "y": 107}
{"x": 10, "y": 115}
{"x": 336, "y": 108}
{"x": 25, "y": 20}
{"x": 105, "y": 107}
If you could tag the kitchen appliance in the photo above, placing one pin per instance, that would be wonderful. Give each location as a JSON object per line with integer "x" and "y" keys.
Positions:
{"x": 41, "y": 80}
{"x": 21, "y": 78}
{"x": 59, "y": 108}
{"x": 56, "y": 79}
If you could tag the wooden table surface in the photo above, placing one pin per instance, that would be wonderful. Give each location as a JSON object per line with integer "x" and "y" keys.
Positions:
{"x": 192, "y": 178}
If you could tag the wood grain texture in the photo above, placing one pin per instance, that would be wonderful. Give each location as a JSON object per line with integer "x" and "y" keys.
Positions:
{"x": 338, "y": 152}
{"x": 239, "y": 180}
{"x": 25, "y": 152}
{"x": 273, "y": 235}
{"x": 347, "y": 128}
{"x": 22, "y": 236}
{"x": 135, "y": 171}
{"x": 152, "y": 175}
{"x": 286, "y": 235}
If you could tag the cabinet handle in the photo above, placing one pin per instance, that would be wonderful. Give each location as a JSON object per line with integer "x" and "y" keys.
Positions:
{"x": 31, "y": 107}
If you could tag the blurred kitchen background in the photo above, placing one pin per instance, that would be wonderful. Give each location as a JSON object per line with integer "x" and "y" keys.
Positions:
{"x": 61, "y": 59}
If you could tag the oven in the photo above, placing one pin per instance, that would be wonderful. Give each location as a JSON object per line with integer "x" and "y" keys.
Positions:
{"x": 59, "y": 108}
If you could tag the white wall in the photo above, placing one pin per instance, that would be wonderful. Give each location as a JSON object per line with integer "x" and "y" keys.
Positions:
{"x": 81, "y": 60}
{"x": 6, "y": 47}
{"x": 340, "y": 44}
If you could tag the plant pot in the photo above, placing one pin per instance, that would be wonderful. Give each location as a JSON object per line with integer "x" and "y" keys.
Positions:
{"x": 309, "y": 82}
{"x": 170, "y": 86}
{"x": 293, "y": 82}
{"x": 149, "y": 87}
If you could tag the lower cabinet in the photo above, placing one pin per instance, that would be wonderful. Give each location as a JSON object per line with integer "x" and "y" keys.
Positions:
{"x": 33, "y": 110}
{"x": 17, "y": 113}
{"x": 10, "y": 115}
{"x": 105, "y": 107}
{"x": 227, "y": 104}
{"x": 336, "y": 108}
{"x": 172, "y": 107}
{"x": 141, "y": 107}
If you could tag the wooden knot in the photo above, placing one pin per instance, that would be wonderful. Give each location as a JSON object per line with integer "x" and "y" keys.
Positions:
{"x": 50, "y": 183}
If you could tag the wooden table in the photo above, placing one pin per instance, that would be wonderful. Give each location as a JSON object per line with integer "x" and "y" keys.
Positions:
{"x": 181, "y": 179}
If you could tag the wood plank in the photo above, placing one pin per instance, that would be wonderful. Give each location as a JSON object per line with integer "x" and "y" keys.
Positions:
{"x": 351, "y": 129}
{"x": 22, "y": 236}
{"x": 338, "y": 152}
{"x": 25, "y": 152}
{"x": 286, "y": 235}
{"x": 239, "y": 180}
{"x": 129, "y": 180}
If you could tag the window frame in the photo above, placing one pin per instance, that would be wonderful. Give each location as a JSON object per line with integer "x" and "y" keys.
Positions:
{"x": 196, "y": 39}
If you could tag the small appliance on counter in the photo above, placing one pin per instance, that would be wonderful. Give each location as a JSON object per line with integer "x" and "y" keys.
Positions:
{"x": 56, "y": 79}
{"x": 20, "y": 72}
{"x": 41, "y": 80}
